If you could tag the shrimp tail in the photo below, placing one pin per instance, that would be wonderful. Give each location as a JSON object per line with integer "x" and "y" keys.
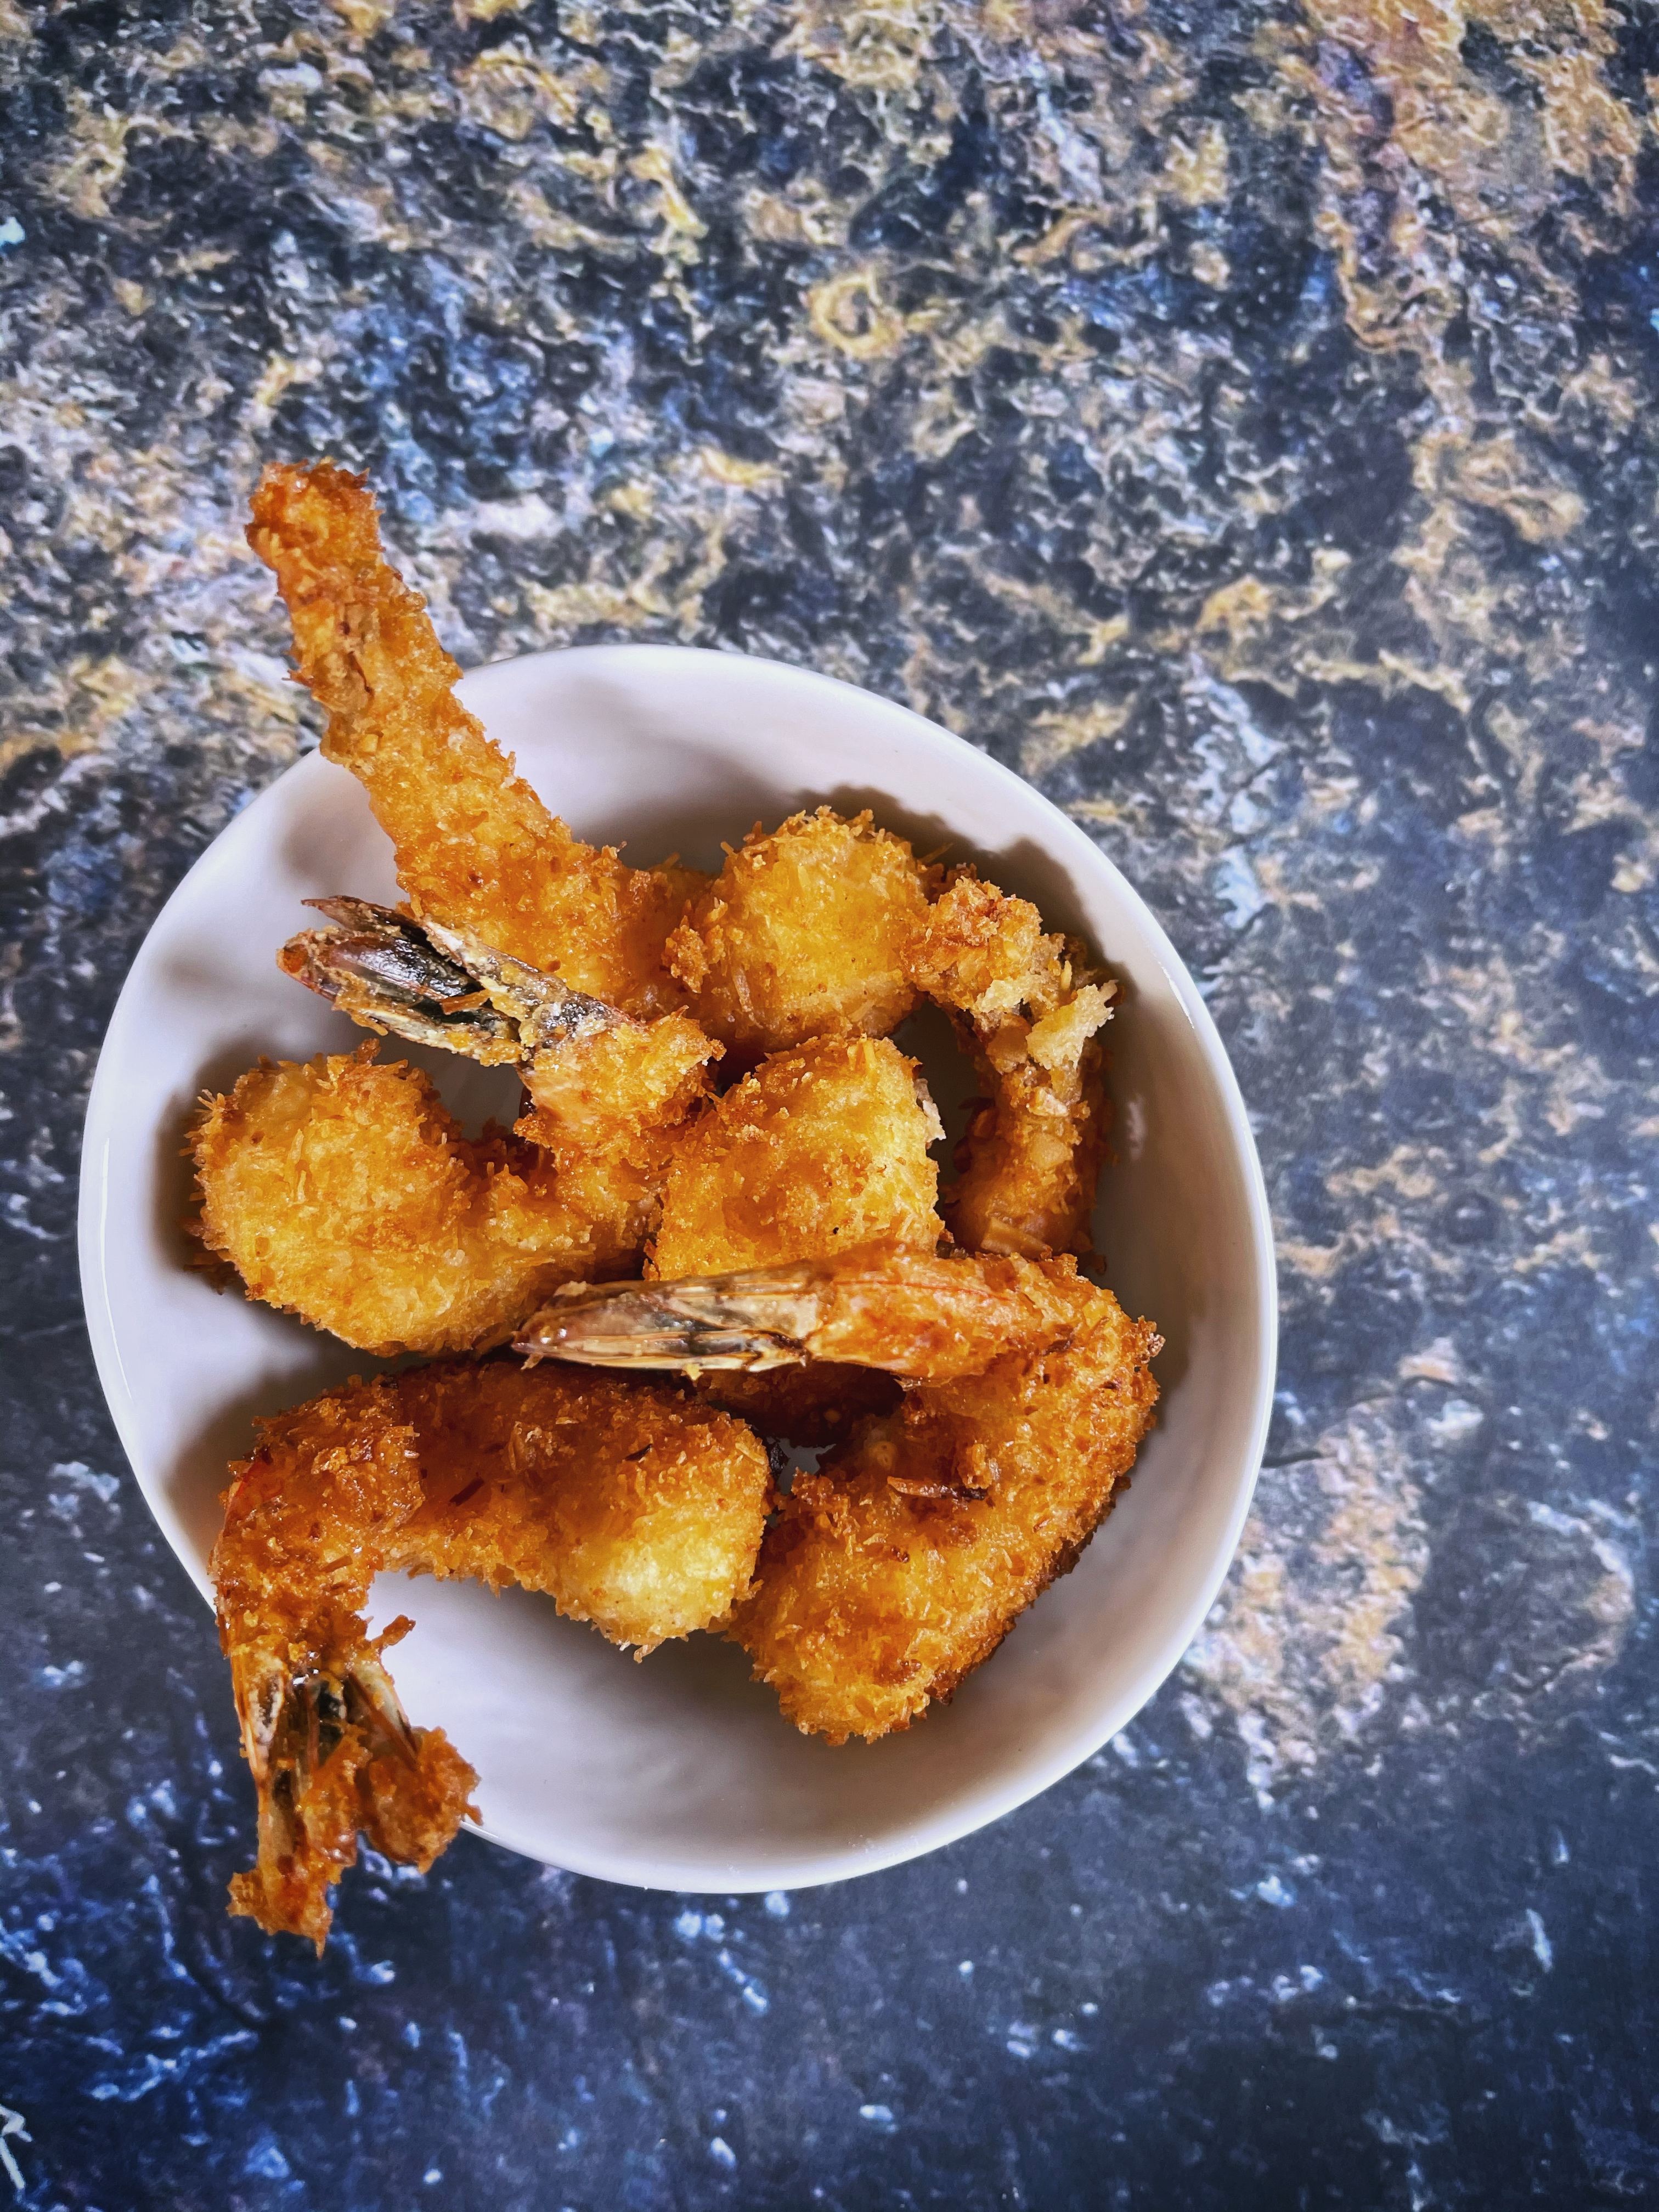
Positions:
{"x": 921, "y": 1315}
{"x": 437, "y": 985}
{"x": 308, "y": 1520}
{"x": 332, "y": 1753}
{"x": 755, "y": 1319}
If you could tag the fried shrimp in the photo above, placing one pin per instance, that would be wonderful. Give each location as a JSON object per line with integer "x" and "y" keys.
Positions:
{"x": 609, "y": 1094}
{"x": 816, "y": 1150}
{"x": 475, "y": 846}
{"x": 633, "y": 1508}
{"x": 921, "y": 1315}
{"x": 347, "y": 1193}
{"x": 903, "y": 1563}
{"x": 1027, "y": 1009}
{"x": 330, "y": 1750}
{"x": 802, "y": 934}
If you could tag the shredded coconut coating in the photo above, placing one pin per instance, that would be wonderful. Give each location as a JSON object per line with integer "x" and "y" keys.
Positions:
{"x": 475, "y": 846}
{"x": 306, "y": 1520}
{"x": 609, "y": 1109}
{"x": 901, "y": 1566}
{"x": 634, "y": 1507}
{"x": 815, "y": 1404}
{"x": 802, "y": 934}
{"x": 816, "y": 1150}
{"x": 345, "y": 1192}
{"x": 1028, "y": 1010}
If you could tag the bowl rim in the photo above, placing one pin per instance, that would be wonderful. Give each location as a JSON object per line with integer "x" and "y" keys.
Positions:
{"x": 1000, "y": 1793}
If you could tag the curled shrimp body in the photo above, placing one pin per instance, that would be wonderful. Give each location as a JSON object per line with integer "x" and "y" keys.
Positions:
{"x": 892, "y": 1571}
{"x": 609, "y": 1094}
{"x": 344, "y": 1191}
{"x": 802, "y": 935}
{"x": 918, "y": 1315}
{"x": 897, "y": 1568}
{"x": 308, "y": 1523}
{"x": 473, "y": 841}
{"x": 1028, "y": 1010}
{"x": 634, "y": 1507}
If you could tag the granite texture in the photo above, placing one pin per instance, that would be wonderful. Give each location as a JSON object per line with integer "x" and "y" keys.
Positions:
{"x": 1242, "y": 419}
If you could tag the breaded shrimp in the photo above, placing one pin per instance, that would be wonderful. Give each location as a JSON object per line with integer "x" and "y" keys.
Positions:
{"x": 922, "y": 1315}
{"x": 818, "y": 1150}
{"x": 802, "y": 934}
{"x": 475, "y": 846}
{"x": 1028, "y": 1008}
{"x": 901, "y": 1566}
{"x": 609, "y": 1094}
{"x": 346, "y": 1193}
{"x": 635, "y": 1508}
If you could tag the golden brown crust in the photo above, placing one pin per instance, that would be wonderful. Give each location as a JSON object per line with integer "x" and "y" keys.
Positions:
{"x": 1028, "y": 1010}
{"x": 632, "y": 1505}
{"x": 291, "y": 1572}
{"x": 802, "y": 934}
{"x": 900, "y": 1566}
{"x": 817, "y": 1150}
{"x": 475, "y": 846}
{"x": 610, "y": 1109}
{"x": 345, "y": 1192}
{"x": 814, "y": 1405}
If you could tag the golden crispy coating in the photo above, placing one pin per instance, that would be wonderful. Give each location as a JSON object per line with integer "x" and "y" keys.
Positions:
{"x": 611, "y": 1106}
{"x": 817, "y": 1150}
{"x": 634, "y": 1507}
{"x": 475, "y": 846}
{"x": 815, "y": 1404}
{"x": 330, "y": 1750}
{"x": 1028, "y": 1010}
{"x": 905, "y": 1560}
{"x": 608, "y": 1091}
{"x": 345, "y": 1193}
{"x": 802, "y": 934}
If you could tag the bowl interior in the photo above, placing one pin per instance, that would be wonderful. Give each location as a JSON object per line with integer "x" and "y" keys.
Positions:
{"x": 680, "y": 1772}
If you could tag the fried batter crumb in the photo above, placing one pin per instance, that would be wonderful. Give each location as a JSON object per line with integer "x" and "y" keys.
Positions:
{"x": 802, "y": 934}
{"x": 903, "y": 1562}
{"x": 817, "y": 1150}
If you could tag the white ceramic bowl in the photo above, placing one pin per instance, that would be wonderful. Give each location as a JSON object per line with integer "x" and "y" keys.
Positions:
{"x": 680, "y": 1772}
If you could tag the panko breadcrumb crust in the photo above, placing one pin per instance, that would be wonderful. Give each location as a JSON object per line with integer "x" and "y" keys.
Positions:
{"x": 630, "y": 1503}
{"x": 903, "y": 1562}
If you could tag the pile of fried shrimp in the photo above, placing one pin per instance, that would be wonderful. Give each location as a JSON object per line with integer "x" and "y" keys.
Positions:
{"x": 714, "y": 1234}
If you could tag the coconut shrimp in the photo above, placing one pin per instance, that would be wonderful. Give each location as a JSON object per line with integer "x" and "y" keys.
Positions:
{"x": 634, "y": 1507}
{"x": 900, "y": 1565}
{"x": 610, "y": 1094}
{"x": 802, "y": 934}
{"x": 1029, "y": 1010}
{"x": 347, "y": 1192}
{"x": 475, "y": 846}
{"x": 817, "y": 1151}
{"x": 921, "y": 1315}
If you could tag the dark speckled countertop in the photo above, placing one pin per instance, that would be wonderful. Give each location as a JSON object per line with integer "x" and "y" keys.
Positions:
{"x": 1244, "y": 418}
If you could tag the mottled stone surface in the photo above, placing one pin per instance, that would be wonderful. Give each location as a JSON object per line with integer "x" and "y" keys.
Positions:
{"x": 1242, "y": 418}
